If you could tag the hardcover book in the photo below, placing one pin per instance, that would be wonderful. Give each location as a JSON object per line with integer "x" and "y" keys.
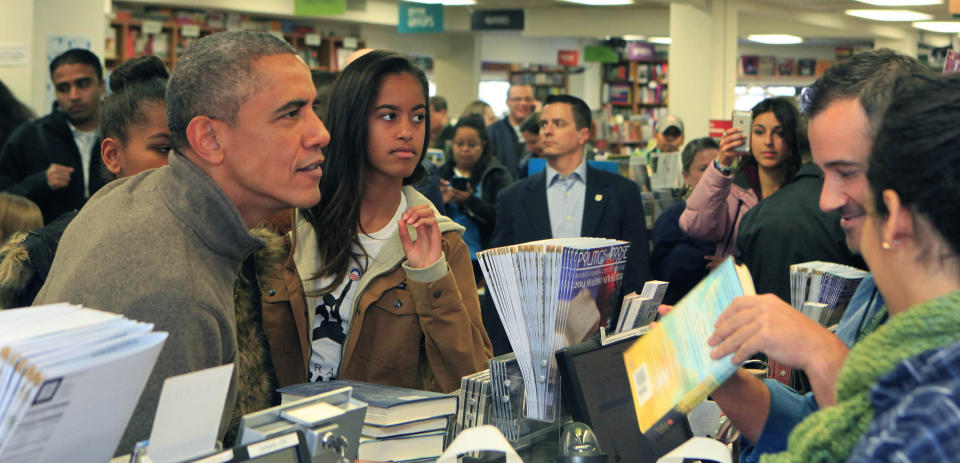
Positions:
{"x": 386, "y": 405}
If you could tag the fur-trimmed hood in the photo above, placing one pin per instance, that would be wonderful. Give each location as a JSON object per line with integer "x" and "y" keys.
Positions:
{"x": 15, "y": 271}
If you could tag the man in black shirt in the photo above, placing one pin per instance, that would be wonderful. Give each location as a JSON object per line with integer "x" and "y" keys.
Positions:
{"x": 55, "y": 160}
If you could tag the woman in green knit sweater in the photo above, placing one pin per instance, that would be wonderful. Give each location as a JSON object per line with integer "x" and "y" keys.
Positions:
{"x": 911, "y": 242}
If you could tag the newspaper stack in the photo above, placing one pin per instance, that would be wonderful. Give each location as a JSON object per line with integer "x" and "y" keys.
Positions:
{"x": 822, "y": 290}
{"x": 550, "y": 294}
{"x": 70, "y": 378}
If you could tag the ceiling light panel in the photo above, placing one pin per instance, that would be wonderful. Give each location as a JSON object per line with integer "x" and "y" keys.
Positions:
{"x": 775, "y": 39}
{"x": 901, "y": 2}
{"x": 945, "y": 27}
{"x": 445, "y": 2}
{"x": 890, "y": 15}
{"x": 600, "y": 2}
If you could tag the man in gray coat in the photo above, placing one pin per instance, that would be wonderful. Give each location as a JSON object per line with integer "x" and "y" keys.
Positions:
{"x": 164, "y": 246}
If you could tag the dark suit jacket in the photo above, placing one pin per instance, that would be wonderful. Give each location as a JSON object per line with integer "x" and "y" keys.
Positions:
{"x": 506, "y": 144}
{"x": 612, "y": 209}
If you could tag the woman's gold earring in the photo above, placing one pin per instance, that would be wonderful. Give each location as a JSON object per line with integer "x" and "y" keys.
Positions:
{"x": 886, "y": 245}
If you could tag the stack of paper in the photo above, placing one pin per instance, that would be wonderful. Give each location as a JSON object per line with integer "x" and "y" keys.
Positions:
{"x": 815, "y": 283}
{"x": 550, "y": 294}
{"x": 70, "y": 378}
{"x": 641, "y": 309}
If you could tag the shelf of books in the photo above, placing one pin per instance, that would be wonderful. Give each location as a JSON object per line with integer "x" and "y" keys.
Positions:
{"x": 166, "y": 33}
{"x": 637, "y": 85}
{"x": 546, "y": 80}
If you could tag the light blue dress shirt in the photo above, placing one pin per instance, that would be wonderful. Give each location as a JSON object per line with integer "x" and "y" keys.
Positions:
{"x": 565, "y": 199}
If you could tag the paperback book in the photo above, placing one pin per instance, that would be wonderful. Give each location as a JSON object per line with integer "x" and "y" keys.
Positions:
{"x": 638, "y": 310}
{"x": 670, "y": 369}
{"x": 549, "y": 294}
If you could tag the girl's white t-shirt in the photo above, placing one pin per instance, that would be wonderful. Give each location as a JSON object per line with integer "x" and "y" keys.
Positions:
{"x": 333, "y": 311}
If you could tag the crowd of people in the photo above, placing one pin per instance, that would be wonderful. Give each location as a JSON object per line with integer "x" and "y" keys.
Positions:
{"x": 220, "y": 204}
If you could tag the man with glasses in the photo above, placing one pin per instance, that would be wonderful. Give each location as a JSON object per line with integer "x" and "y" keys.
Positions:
{"x": 505, "y": 133}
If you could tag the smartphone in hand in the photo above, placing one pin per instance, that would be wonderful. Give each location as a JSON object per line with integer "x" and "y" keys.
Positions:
{"x": 743, "y": 120}
{"x": 459, "y": 183}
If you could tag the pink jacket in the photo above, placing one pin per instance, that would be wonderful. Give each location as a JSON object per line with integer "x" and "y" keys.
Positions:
{"x": 714, "y": 210}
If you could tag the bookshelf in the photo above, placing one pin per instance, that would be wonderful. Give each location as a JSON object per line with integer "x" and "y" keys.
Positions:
{"x": 640, "y": 86}
{"x": 545, "y": 80}
{"x": 167, "y": 35}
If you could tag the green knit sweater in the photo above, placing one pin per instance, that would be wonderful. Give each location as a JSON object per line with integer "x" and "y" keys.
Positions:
{"x": 831, "y": 433}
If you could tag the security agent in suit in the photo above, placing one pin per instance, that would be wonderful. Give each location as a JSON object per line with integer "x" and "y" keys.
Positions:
{"x": 569, "y": 198}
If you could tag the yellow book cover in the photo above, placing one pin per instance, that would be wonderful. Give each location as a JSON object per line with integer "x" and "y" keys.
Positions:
{"x": 669, "y": 368}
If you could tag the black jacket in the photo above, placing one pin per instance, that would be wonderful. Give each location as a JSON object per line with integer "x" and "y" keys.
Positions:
{"x": 789, "y": 228}
{"x": 25, "y": 261}
{"x": 677, "y": 257}
{"x": 612, "y": 208}
{"x": 506, "y": 144}
{"x": 492, "y": 177}
{"x": 28, "y": 153}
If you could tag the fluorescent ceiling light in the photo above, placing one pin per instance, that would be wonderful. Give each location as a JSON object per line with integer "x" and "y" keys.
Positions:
{"x": 946, "y": 27}
{"x": 601, "y": 2}
{"x": 901, "y": 2}
{"x": 890, "y": 15}
{"x": 635, "y": 37}
{"x": 775, "y": 39}
{"x": 660, "y": 40}
{"x": 445, "y": 2}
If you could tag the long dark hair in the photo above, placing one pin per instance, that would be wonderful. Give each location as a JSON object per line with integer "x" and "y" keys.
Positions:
{"x": 476, "y": 122}
{"x": 13, "y": 113}
{"x": 337, "y": 217}
{"x": 785, "y": 110}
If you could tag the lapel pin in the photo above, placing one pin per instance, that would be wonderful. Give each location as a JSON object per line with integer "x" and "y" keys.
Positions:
{"x": 598, "y": 198}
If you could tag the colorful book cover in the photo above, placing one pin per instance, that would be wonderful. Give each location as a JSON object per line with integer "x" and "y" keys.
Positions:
{"x": 766, "y": 65}
{"x": 669, "y": 368}
{"x": 748, "y": 65}
{"x": 822, "y": 65}
{"x": 786, "y": 67}
{"x": 952, "y": 62}
{"x": 595, "y": 274}
{"x": 620, "y": 93}
{"x": 806, "y": 66}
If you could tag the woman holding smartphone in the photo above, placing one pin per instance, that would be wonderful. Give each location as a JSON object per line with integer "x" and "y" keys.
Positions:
{"x": 471, "y": 182}
{"x": 387, "y": 281}
{"x": 738, "y": 179}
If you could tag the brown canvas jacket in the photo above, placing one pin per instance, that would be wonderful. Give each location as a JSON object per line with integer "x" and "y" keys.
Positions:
{"x": 417, "y": 328}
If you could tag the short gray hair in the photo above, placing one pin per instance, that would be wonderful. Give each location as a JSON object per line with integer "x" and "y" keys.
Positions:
{"x": 213, "y": 78}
